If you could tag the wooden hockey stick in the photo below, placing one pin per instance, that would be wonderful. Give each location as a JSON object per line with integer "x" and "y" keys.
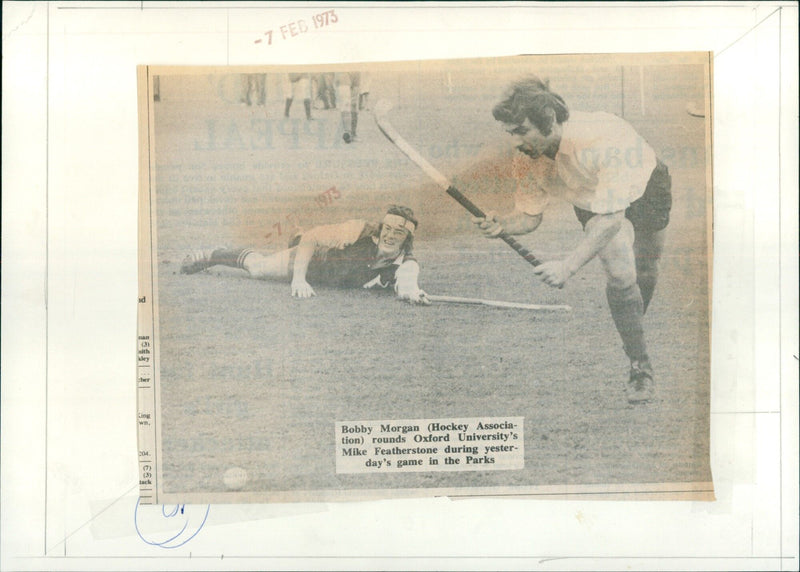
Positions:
{"x": 381, "y": 109}
{"x": 499, "y": 303}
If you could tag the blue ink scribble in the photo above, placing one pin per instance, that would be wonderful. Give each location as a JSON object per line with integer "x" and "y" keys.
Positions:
{"x": 173, "y": 513}
{"x": 174, "y": 541}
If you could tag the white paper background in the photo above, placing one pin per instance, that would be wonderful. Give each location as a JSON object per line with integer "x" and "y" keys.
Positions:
{"x": 69, "y": 288}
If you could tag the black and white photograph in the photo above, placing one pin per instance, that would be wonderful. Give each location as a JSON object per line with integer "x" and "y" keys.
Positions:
{"x": 462, "y": 277}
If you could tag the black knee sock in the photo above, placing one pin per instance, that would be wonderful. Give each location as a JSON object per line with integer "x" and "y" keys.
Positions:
{"x": 647, "y": 284}
{"x": 627, "y": 310}
{"x": 233, "y": 257}
{"x": 307, "y": 106}
{"x": 354, "y": 123}
{"x": 287, "y": 107}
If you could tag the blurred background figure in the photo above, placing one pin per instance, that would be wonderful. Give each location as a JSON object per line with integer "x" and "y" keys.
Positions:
{"x": 348, "y": 88}
{"x": 363, "y": 94}
{"x": 253, "y": 84}
{"x": 325, "y": 96}
{"x": 297, "y": 85}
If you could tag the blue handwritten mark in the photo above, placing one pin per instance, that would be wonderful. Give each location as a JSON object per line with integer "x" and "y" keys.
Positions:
{"x": 175, "y": 541}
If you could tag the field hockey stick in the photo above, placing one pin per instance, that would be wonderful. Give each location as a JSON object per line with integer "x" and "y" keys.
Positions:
{"x": 381, "y": 109}
{"x": 498, "y": 303}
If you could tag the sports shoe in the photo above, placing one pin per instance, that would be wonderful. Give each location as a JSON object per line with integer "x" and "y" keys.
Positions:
{"x": 639, "y": 388}
{"x": 196, "y": 261}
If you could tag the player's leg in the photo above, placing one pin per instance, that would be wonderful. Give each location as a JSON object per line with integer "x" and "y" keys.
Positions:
{"x": 650, "y": 216}
{"x": 344, "y": 98}
{"x": 327, "y": 90}
{"x": 304, "y": 91}
{"x": 204, "y": 259}
{"x": 355, "y": 89}
{"x": 627, "y": 309}
{"x": 363, "y": 92}
{"x": 244, "y": 96}
{"x": 648, "y": 247}
{"x": 288, "y": 90}
{"x": 330, "y": 86}
{"x": 622, "y": 291}
{"x": 262, "y": 88}
{"x": 353, "y": 121}
{"x": 277, "y": 266}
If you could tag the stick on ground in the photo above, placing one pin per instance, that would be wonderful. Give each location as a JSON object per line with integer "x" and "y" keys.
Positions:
{"x": 499, "y": 303}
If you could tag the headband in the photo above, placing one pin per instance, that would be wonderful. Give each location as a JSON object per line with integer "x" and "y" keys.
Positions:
{"x": 399, "y": 221}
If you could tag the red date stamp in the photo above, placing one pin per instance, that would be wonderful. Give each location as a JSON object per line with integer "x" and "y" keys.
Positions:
{"x": 299, "y": 27}
{"x": 290, "y": 222}
{"x": 327, "y": 197}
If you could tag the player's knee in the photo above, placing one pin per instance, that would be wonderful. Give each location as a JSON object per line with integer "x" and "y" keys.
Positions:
{"x": 620, "y": 268}
{"x": 618, "y": 259}
{"x": 620, "y": 281}
{"x": 620, "y": 274}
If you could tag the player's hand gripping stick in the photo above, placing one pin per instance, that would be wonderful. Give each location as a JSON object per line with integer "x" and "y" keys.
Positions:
{"x": 507, "y": 238}
{"x": 381, "y": 109}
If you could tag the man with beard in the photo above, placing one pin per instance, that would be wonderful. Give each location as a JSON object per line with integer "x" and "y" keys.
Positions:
{"x": 354, "y": 254}
{"x": 621, "y": 193}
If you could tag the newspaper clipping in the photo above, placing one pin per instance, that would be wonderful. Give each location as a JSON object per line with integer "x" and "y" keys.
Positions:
{"x": 425, "y": 278}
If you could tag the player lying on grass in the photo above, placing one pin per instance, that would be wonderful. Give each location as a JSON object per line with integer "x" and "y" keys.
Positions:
{"x": 621, "y": 194}
{"x": 353, "y": 254}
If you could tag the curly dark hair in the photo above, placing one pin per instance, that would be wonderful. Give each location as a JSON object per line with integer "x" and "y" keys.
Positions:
{"x": 530, "y": 98}
{"x": 404, "y": 212}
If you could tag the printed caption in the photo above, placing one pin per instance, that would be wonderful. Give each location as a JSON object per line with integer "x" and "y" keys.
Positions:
{"x": 412, "y": 445}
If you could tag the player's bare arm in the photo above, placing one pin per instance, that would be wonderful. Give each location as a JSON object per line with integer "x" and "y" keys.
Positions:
{"x": 514, "y": 222}
{"x": 407, "y": 286}
{"x": 600, "y": 229}
{"x": 305, "y": 251}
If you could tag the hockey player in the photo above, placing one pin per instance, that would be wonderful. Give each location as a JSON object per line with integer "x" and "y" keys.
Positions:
{"x": 353, "y": 254}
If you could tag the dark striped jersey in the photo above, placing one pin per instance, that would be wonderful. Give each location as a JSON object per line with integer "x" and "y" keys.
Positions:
{"x": 346, "y": 256}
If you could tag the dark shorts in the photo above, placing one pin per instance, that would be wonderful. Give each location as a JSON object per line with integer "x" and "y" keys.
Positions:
{"x": 650, "y": 212}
